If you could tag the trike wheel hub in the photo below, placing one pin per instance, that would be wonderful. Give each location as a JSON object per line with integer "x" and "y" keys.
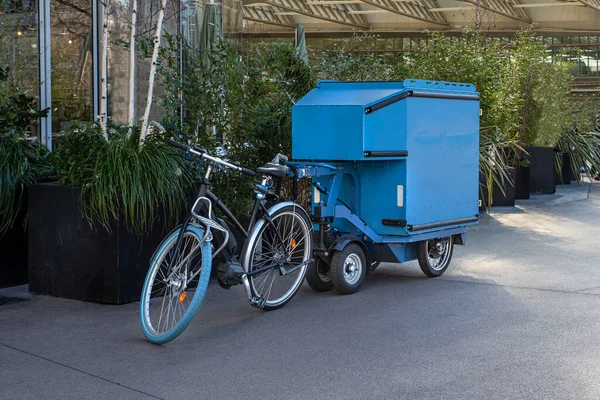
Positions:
{"x": 352, "y": 268}
{"x": 438, "y": 250}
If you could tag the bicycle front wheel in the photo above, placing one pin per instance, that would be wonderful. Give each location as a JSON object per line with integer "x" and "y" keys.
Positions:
{"x": 175, "y": 284}
{"x": 276, "y": 249}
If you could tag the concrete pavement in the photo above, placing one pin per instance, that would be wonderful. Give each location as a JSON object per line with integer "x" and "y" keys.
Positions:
{"x": 517, "y": 315}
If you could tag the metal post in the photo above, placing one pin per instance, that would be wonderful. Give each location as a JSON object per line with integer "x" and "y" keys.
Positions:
{"x": 478, "y": 16}
{"x": 95, "y": 63}
{"x": 45, "y": 74}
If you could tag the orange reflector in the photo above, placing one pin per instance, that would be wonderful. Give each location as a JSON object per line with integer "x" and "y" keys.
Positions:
{"x": 182, "y": 297}
{"x": 293, "y": 243}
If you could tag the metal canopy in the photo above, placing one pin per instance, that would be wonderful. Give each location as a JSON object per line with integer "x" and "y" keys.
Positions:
{"x": 595, "y": 4}
{"x": 266, "y": 15}
{"x": 337, "y": 13}
{"x": 415, "y": 9}
{"x": 503, "y": 7}
{"x": 416, "y": 15}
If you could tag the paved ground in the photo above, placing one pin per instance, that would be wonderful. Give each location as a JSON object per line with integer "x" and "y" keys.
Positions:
{"x": 517, "y": 316}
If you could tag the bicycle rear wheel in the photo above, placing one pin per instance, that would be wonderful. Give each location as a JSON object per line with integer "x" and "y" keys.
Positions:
{"x": 175, "y": 285}
{"x": 293, "y": 226}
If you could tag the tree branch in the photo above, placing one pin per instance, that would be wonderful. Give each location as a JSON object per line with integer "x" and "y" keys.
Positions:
{"x": 75, "y": 7}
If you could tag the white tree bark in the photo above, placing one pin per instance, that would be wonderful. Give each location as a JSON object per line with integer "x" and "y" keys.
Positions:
{"x": 104, "y": 72}
{"x": 132, "y": 67}
{"x": 157, "y": 36}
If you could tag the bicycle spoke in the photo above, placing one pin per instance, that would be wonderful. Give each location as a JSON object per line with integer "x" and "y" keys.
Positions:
{"x": 174, "y": 271}
{"x": 281, "y": 243}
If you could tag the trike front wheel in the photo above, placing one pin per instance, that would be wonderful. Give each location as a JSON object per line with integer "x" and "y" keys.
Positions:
{"x": 348, "y": 269}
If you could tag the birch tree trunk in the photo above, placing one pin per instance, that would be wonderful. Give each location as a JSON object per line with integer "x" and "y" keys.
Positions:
{"x": 157, "y": 36}
{"x": 132, "y": 67}
{"x": 104, "y": 72}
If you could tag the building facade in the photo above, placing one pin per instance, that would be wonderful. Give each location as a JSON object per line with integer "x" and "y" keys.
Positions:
{"x": 51, "y": 48}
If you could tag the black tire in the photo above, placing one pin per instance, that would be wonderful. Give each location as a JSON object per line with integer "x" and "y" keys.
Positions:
{"x": 318, "y": 277}
{"x": 263, "y": 236}
{"x": 428, "y": 248}
{"x": 347, "y": 281}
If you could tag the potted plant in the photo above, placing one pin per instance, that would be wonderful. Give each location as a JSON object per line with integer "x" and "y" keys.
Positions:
{"x": 497, "y": 177}
{"x": 96, "y": 228}
{"x": 562, "y": 163}
{"x": 584, "y": 152}
{"x": 578, "y": 145}
{"x": 23, "y": 161}
{"x": 522, "y": 179}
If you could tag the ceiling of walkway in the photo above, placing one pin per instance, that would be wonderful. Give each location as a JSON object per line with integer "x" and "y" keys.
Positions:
{"x": 405, "y": 16}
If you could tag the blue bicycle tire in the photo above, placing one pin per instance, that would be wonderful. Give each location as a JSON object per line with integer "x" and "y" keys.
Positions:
{"x": 179, "y": 327}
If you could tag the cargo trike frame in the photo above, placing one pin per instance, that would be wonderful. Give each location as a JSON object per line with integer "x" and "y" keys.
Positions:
{"x": 344, "y": 258}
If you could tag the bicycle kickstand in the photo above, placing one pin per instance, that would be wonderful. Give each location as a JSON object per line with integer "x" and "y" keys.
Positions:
{"x": 257, "y": 302}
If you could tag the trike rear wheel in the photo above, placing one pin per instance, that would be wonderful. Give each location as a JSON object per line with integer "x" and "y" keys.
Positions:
{"x": 434, "y": 255}
{"x": 348, "y": 269}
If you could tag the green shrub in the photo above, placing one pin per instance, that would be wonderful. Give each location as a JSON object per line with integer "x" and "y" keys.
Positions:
{"x": 22, "y": 163}
{"x": 117, "y": 176}
{"x": 247, "y": 98}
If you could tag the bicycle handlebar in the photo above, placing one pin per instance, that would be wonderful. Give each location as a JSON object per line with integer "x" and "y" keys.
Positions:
{"x": 180, "y": 146}
{"x": 202, "y": 153}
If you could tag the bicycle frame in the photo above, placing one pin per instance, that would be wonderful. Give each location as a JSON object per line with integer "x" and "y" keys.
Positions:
{"x": 259, "y": 210}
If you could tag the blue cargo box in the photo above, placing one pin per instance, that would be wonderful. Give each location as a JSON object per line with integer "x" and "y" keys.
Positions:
{"x": 414, "y": 146}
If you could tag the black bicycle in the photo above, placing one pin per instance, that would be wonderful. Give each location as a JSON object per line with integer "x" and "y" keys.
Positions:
{"x": 269, "y": 258}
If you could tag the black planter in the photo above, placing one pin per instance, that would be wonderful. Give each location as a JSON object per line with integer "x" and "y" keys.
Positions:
{"x": 564, "y": 178}
{"x": 522, "y": 183}
{"x": 69, "y": 259}
{"x": 541, "y": 170}
{"x": 499, "y": 199}
{"x": 506, "y": 199}
{"x": 13, "y": 247}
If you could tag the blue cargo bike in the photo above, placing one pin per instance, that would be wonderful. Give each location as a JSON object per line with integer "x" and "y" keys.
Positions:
{"x": 394, "y": 177}
{"x": 395, "y": 173}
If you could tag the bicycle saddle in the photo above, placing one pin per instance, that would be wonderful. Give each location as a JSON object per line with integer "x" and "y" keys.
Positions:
{"x": 276, "y": 170}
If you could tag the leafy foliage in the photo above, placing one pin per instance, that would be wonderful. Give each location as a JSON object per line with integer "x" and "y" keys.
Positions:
{"x": 494, "y": 162}
{"x": 523, "y": 91}
{"x": 117, "y": 176}
{"x": 18, "y": 113}
{"x": 584, "y": 150}
{"x": 22, "y": 163}
{"x": 246, "y": 99}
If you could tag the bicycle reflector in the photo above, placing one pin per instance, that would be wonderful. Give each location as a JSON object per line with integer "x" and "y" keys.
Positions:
{"x": 182, "y": 297}
{"x": 293, "y": 243}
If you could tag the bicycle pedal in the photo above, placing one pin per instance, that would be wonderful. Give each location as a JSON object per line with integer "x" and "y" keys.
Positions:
{"x": 258, "y": 302}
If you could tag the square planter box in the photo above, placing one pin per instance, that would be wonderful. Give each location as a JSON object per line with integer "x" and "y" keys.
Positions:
{"x": 69, "y": 259}
{"x": 499, "y": 199}
{"x": 564, "y": 178}
{"x": 522, "y": 183}
{"x": 541, "y": 170}
{"x": 13, "y": 247}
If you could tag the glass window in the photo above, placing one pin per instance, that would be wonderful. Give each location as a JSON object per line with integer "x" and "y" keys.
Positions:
{"x": 71, "y": 44}
{"x": 19, "y": 50}
{"x": 414, "y": 43}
